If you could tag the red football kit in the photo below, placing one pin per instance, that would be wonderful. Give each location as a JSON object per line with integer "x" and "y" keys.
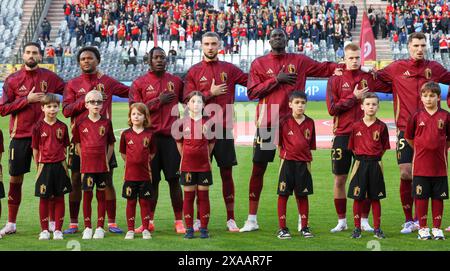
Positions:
{"x": 371, "y": 140}
{"x": 138, "y": 148}
{"x": 200, "y": 76}
{"x": 51, "y": 141}
{"x": 195, "y": 155}
{"x": 263, "y": 85}
{"x": 407, "y": 77}
{"x": 94, "y": 139}
{"x": 342, "y": 103}
{"x": 16, "y": 88}
{"x": 430, "y": 134}
{"x": 77, "y": 88}
{"x": 147, "y": 88}
{"x": 297, "y": 140}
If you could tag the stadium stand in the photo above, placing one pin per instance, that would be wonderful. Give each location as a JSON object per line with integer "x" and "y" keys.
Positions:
{"x": 10, "y": 23}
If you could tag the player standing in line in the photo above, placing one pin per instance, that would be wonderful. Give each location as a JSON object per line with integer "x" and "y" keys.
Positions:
{"x": 271, "y": 79}
{"x": 2, "y": 188}
{"x": 297, "y": 139}
{"x": 369, "y": 139}
{"x": 217, "y": 81}
{"x": 74, "y": 107}
{"x": 94, "y": 139}
{"x": 22, "y": 92}
{"x": 137, "y": 150}
{"x": 428, "y": 132}
{"x": 448, "y": 104}
{"x": 195, "y": 143}
{"x": 344, "y": 95}
{"x": 407, "y": 77}
{"x": 50, "y": 140}
{"x": 161, "y": 92}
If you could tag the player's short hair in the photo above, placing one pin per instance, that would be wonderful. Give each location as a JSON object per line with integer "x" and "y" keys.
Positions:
{"x": 416, "y": 35}
{"x": 431, "y": 86}
{"x": 211, "y": 34}
{"x": 93, "y": 94}
{"x": 370, "y": 95}
{"x": 352, "y": 47}
{"x": 278, "y": 29}
{"x": 35, "y": 44}
{"x": 196, "y": 93}
{"x": 150, "y": 53}
{"x": 143, "y": 109}
{"x": 92, "y": 49}
{"x": 297, "y": 94}
{"x": 50, "y": 98}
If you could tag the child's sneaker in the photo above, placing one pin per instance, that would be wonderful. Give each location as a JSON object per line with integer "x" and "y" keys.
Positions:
{"x": 306, "y": 232}
{"x": 231, "y": 225}
{"x": 424, "y": 234}
{"x": 447, "y": 229}
{"x": 197, "y": 225}
{"x": 341, "y": 226}
{"x": 87, "y": 234}
{"x": 249, "y": 226}
{"x": 356, "y": 234}
{"x": 58, "y": 235}
{"x": 378, "y": 233}
{"x": 409, "y": 227}
{"x": 146, "y": 234}
{"x": 99, "y": 233}
{"x": 129, "y": 235}
{"x": 204, "y": 233}
{"x": 9, "y": 228}
{"x": 73, "y": 228}
{"x": 284, "y": 234}
{"x": 189, "y": 233}
{"x": 113, "y": 228}
{"x": 438, "y": 234}
{"x": 51, "y": 226}
{"x": 44, "y": 235}
{"x": 179, "y": 227}
{"x": 365, "y": 226}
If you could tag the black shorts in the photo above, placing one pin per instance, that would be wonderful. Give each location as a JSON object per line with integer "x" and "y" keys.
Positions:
{"x": 133, "y": 189}
{"x": 264, "y": 148}
{"x": 52, "y": 179}
{"x": 224, "y": 151}
{"x": 20, "y": 153}
{"x": 167, "y": 159}
{"x": 196, "y": 178}
{"x": 295, "y": 176}
{"x": 430, "y": 187}
{"x": 341, "y": 156}
{"x": 88, "y": 180}
{"x": 74, "y": 159}
{"x": 404, "y": 152}
{"x": 367, "y": 181}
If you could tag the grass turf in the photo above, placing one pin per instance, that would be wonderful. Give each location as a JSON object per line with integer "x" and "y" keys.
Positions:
{"x": 322, "y": 212}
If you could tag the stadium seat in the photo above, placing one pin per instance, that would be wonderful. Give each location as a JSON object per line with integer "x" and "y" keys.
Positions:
{"x": 267, "y": 47}
{"x": 251, "y": 47}
{"x": 243, "y": 50}
{"x": 228, "y": 58}
{"x": 259, "y": 48}
{"x": 166, "y": 46}
{"x": 236, "y": 60}
{"x": 196, "y": 53}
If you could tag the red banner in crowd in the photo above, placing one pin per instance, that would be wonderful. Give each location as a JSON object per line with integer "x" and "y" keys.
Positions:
{"x": 367, "y": 41}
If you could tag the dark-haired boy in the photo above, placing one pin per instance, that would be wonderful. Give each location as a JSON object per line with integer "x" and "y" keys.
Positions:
{"x": 297, "y": 139}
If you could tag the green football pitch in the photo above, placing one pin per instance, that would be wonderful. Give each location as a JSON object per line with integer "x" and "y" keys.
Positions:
{"x": 322, "y": 211}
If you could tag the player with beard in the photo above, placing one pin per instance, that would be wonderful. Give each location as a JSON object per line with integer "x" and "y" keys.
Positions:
{"x": 22, "y": 93}
{"x": 271, "y": 80}
{"x": 407, "y": 77}
{"x": 74, "y": 107}
{"x": 217, "y": 80}
{"x": 161, "y": 92}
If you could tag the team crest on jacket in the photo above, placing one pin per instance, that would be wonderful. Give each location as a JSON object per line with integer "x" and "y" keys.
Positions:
{"x": 101, "y": 130}
{"x": 44, "y": 86}
{"x": 307, "y": 134}
{"x": 59, "y": 133}
{"x": 428, "y": 73}
{"x": 291, "y": 68}
{"x": 170, "y": 86}
{"x": 363, "y": 83}
{"x": 376, "y": 136}
{"x": 223, "y": 77}
{"x": 145, "y": 142}
{"x": 441, "y": 124}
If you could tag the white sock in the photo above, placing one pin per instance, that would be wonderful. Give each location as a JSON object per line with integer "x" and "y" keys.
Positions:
{"x": 12, "y": 224}
{"x": 342, "y": 221}
{"x": 252, "y": 218}
{"x": 299, "y": 218}
{"x": 365, "y": 220}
